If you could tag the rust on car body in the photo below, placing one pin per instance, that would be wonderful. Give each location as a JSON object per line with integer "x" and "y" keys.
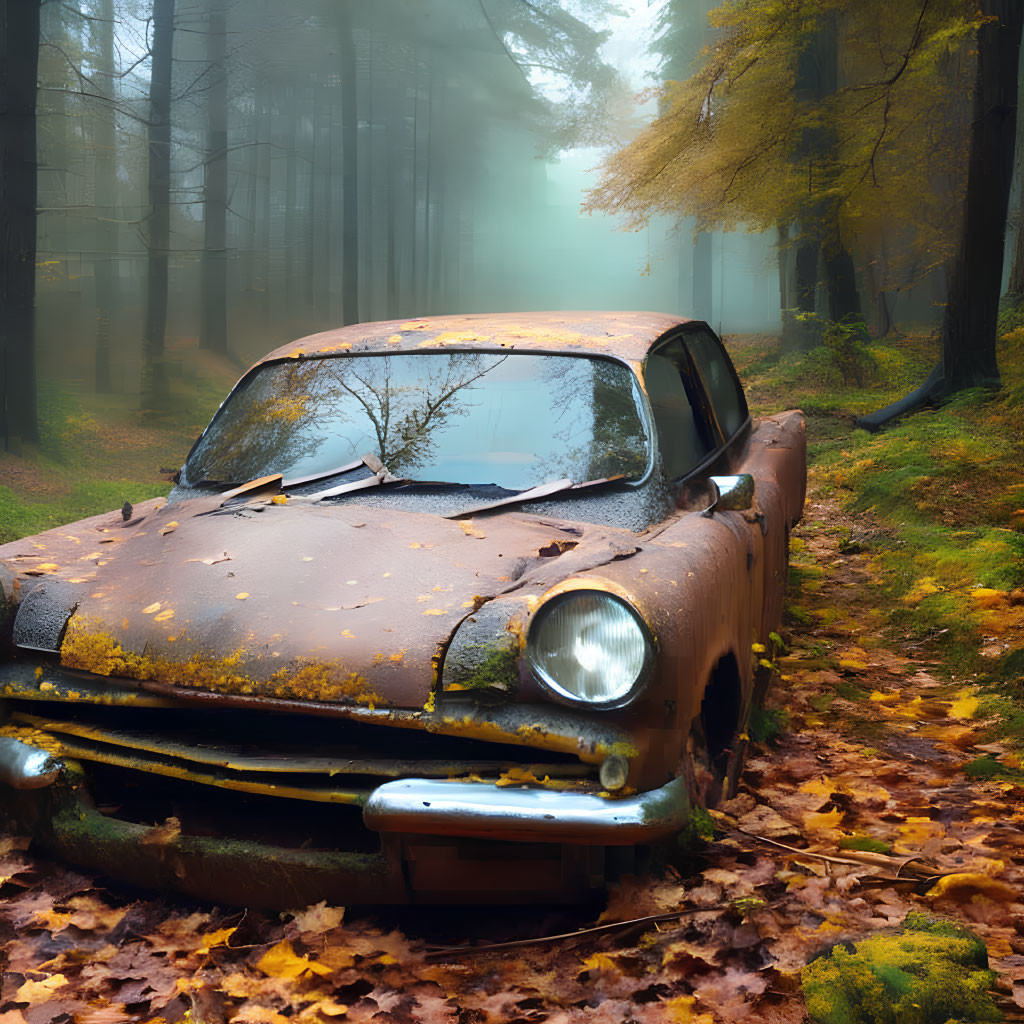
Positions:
{"x": 251, "y": 601}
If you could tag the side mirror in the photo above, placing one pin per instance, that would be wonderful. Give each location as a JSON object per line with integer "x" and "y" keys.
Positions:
{"x": 732, "y": 494}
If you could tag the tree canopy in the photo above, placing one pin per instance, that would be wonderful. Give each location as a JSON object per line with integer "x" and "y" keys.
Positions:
{"x": 774, "y": 128}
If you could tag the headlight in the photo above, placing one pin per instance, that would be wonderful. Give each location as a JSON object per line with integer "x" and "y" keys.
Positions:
{"x": 590, "y": 647}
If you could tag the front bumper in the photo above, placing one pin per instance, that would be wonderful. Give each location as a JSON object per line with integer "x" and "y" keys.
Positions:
{"x": 440, "y": 841}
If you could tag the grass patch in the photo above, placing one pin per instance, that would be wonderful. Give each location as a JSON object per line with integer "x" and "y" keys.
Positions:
{"x": 942, "y": 493}
{"x": 20, "y": 518}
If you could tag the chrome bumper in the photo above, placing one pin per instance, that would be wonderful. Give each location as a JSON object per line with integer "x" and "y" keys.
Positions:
{"x": 485, "y": 811}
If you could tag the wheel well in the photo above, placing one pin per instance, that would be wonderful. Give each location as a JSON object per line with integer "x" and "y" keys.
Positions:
{"x": 722, "y": 703}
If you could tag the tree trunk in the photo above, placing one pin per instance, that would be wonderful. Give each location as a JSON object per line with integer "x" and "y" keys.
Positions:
{"x": 105, "y": 267}
{"x": 969, "y": 325}
{"x": 213, "y": 331}
{"x": 703, "y": 294}
{"x": 322, "y": 205}
{"x": 154, "y": 398}
{"x": 19, "y": 56}
{"x": 1015, "y": 286}
{"x": 349, "y": 170}
{"x": 841, "y": 280}
{"x": 816, "y": 77}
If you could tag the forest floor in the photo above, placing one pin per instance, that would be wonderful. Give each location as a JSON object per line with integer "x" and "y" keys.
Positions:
{"x": 886, "y": 782}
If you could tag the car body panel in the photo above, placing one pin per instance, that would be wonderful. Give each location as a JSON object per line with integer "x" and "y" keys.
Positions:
{"x": 253, "y": 601}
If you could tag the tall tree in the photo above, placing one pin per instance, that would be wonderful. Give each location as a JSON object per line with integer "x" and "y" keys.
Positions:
{"x": 106, "y": 193}
{"x": 154, "y": 398}
{"x": 969, "y": 324}
{"x": 19, "y": 57}
{"x": 213, "y": 331}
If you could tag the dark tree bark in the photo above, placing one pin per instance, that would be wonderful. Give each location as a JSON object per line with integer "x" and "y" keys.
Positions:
{"x": 969, "y": 325}
{"x": 19, "y": 57}
{"x": 815, "y": 80}
{"x": 1015, "y": 286}
{"x": 322, "y": 205}
{"x": 213, "y": 331}
{"x": 154, "y": 398}
{"x": 104, "y": 269}
{"x": 349, "y": 170}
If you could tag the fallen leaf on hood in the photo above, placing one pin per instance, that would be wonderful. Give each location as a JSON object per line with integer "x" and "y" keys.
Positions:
{"x": 470, "y": 530}
{"x": 170, "y": 527}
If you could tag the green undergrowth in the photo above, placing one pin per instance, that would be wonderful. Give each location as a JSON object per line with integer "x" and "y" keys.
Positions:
{"x": 20, "y": 517}
{"x": 95, "y": 453}
{"x": 930, "y": 972}
{"x": 934, "y": 503}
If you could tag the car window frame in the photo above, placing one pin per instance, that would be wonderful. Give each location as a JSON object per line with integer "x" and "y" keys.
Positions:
{"x": 696, "y": 391}
{"x": 636, "y": 381}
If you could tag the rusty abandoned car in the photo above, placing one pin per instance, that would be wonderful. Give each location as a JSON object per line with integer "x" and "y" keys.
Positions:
{"x": 459, "y": 608}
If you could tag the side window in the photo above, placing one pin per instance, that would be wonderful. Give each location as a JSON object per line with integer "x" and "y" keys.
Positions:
{"x": 716, "y": 372}
{"x": 684, "y": 440}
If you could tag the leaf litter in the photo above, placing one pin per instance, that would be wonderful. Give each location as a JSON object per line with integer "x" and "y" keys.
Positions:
{"x": 872, "y": 759}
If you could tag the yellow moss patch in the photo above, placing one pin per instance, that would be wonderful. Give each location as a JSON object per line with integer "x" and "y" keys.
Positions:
{"x": 95, "y": 651}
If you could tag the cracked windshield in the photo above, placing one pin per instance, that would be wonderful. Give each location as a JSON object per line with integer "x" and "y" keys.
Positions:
{"x": 511, "y": 512}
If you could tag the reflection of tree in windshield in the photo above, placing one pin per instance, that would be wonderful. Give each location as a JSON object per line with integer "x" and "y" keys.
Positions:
{"x": 508, "y": 419}
{"x": 268, "y": 422}
{"x": 406, "y": 413}
{"x": 602, "y": 437}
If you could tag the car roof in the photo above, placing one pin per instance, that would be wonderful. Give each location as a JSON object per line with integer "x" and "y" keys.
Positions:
{"x": 626, "y": 336}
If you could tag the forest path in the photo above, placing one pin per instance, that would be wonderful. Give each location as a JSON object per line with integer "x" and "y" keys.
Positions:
{"x": 872, "y": 754}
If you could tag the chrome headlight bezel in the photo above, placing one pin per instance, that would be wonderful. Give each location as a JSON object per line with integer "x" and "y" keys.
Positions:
{"x": 558, "y": 691}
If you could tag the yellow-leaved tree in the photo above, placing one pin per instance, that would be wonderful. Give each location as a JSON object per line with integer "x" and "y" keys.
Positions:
{"x": 839, "y": 123}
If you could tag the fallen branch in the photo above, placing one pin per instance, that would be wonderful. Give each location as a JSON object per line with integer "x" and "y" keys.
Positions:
{"x": 596, "y": 929}
{"x": 856, "y": 858}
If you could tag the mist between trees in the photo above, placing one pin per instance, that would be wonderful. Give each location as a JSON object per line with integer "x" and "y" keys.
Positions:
{"x": 214, "y": 177}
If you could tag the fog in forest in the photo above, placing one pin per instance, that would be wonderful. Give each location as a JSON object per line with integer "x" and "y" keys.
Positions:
{"x": 218, "y": 177}
{"x": 335, "y": 162}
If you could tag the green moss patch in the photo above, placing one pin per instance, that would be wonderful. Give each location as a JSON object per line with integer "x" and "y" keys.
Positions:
{"x": 930, "y": 972}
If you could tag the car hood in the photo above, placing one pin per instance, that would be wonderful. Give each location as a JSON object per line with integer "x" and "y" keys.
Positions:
{"x": 296, "y": 600}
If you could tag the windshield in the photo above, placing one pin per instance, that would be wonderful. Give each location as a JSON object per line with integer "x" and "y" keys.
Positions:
{"x": 509, "y": 419}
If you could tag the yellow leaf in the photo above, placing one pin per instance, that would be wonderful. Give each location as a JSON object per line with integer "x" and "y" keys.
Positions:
{"x": 281, "y": 961}
{"x": 964, "y": 706}
{"x": 217, "y": 938}
{"x": 600, "y": 962}
{"x": 885, "y": 698}
{"x": 470, "y": 530}
{"x": 823, "y": 819}
{"x": 242, "y": 596}
{"x": 680, "y": 1011}
{"x": 435, "y": 611}
{"x": 165, "y": 615}
{"x": 965, "y": 885}
{"x": 150, "y": 608}
{"x": 279, "y": 499}
{"x": 35, "y": 992}
{"x": 819, "y": 787}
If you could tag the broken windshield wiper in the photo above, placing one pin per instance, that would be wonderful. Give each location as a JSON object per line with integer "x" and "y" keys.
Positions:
{"x": 547, "y": 490}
